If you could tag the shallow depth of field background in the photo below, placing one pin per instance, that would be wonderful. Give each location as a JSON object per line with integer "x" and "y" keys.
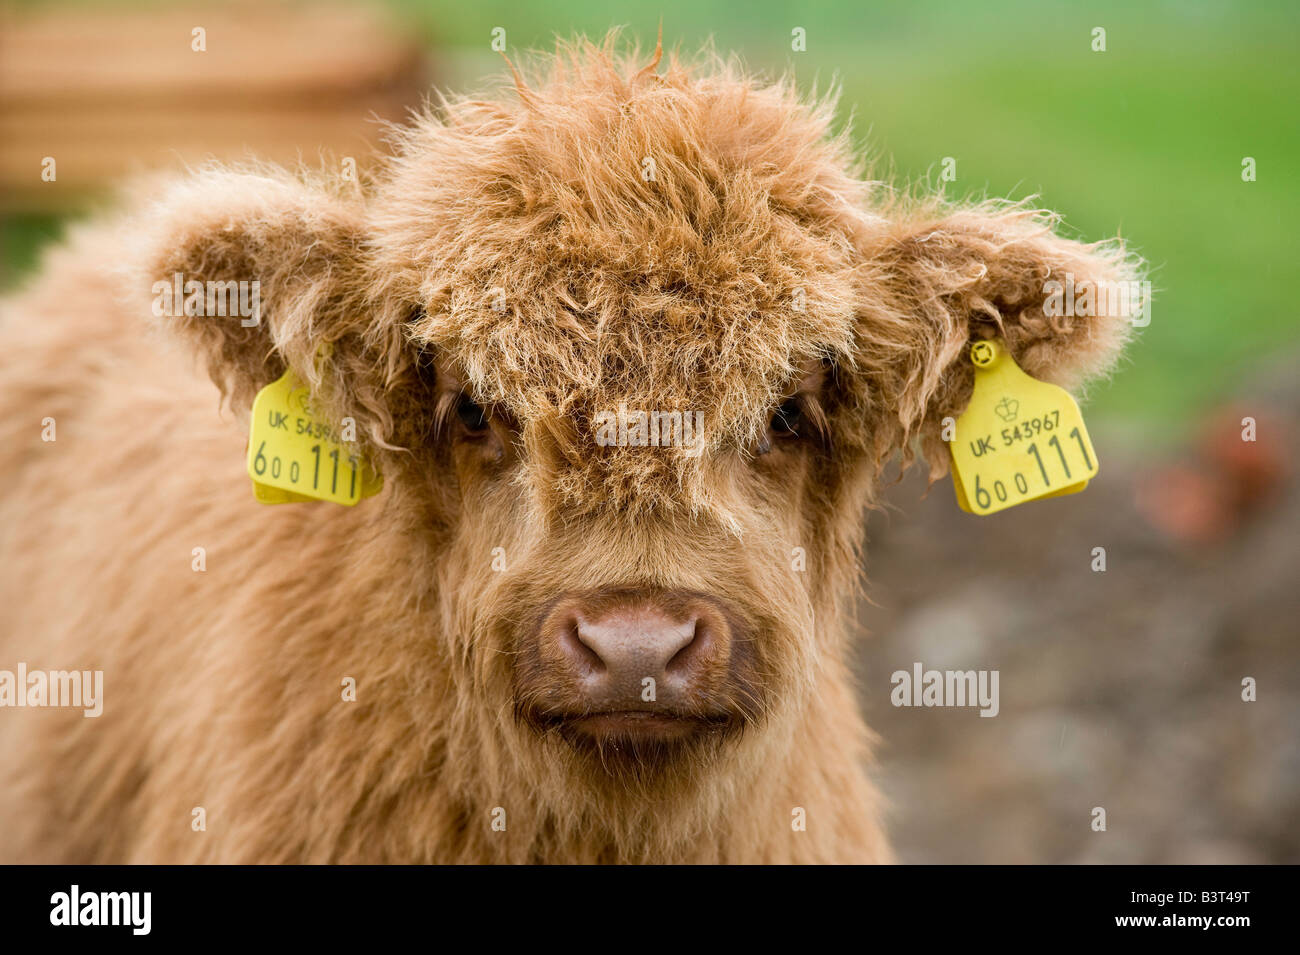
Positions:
{"x": 1118, "y": 689}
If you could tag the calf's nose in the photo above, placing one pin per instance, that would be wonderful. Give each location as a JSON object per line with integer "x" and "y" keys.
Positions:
{"x": 634, "y": 644}
{"x": 640, "y": 654}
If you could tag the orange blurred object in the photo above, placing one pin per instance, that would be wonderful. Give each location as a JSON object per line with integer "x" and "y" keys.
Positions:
{"x": 1226, "y": 480}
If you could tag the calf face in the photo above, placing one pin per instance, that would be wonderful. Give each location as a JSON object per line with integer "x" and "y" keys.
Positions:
{"x": 630, "y": 349}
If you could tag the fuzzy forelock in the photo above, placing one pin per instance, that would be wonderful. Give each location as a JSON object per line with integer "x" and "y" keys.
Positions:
{"x": 610, "y": 236}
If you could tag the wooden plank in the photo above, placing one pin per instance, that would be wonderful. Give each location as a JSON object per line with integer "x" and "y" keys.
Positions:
{"x": 109, "y": 96}
{"x": 252, "y": 50}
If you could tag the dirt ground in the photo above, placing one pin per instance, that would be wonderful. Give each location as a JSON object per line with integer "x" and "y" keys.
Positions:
{"x": 1119, "y": 689}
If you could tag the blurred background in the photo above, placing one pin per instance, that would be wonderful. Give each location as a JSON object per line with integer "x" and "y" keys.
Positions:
{"x": 1119, "y": 689}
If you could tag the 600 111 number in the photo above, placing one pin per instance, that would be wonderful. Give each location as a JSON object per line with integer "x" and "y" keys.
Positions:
{"x": 262, "y": 464}
{"x": 985, "y": 496}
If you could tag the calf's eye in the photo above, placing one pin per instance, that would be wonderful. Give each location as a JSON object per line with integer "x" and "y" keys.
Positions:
{"x": 787, "y": 419}
{"x": 471, "y": 415}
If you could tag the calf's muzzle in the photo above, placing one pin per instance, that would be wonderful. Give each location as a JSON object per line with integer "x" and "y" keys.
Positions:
{"x": 639, "y": 664}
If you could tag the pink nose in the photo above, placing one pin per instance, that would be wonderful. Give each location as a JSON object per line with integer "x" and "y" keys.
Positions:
{"x": 631, "y": 645}
{"x": 639, "y": 654}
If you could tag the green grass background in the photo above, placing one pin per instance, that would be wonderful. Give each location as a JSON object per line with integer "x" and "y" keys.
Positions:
{"x": 1144, "y": 140}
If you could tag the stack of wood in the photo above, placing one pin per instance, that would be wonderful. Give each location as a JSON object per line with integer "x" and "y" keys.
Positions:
{"x": 107, "y": 94}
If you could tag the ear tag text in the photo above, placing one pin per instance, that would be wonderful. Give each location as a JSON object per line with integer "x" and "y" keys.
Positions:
{"x": 295, "y": 456}
{"x": 1019, "y": 439}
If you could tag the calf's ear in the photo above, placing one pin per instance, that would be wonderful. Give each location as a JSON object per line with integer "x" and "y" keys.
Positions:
{"x": 295, "y": 252}
{"x": 940, "y": 278}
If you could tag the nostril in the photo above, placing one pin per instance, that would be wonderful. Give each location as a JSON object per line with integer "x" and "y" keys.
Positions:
{"x": 573, "y": 646}
{"x": 694, "y": 647}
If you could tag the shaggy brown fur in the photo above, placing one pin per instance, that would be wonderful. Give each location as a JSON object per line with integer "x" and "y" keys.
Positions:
{"x": 754, "y": 253}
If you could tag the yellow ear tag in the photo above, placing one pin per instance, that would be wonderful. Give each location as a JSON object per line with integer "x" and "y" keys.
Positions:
{"x": 294, "y": 456}
{"x": 1019, "y": 440}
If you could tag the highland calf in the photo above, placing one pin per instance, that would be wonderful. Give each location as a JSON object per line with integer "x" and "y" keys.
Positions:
{"x": 531, "y": 646}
